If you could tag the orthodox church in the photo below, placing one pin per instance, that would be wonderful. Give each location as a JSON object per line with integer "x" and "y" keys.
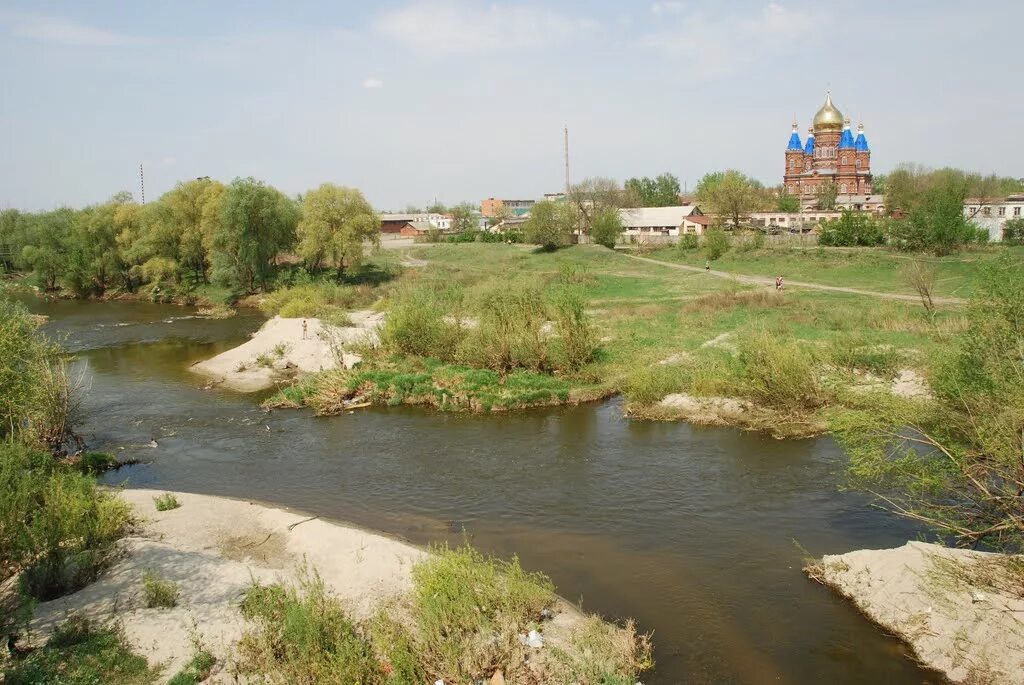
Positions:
{"x": 830, "y": 154}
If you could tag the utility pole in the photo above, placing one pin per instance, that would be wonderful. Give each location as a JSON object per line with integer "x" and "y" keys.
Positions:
{"x": 567, "y": 159}
{"x": 142, "y": 184}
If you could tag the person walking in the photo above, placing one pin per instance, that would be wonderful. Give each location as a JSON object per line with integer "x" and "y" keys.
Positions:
{"x": 303, "y": 329}
{"x": 707, "y": 265}
{"x": 779, "y": 283}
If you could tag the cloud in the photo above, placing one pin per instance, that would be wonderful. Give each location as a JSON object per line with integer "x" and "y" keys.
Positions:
{"x": 62, "y": 31}
{"x": 720, "y": 43}
{"x": 447, "y": 27}
{"x": 668, "y": 7}
{"x": 373, "y": 83}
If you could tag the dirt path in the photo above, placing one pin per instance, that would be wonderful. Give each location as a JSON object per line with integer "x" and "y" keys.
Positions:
{"x": 767, "y": 281}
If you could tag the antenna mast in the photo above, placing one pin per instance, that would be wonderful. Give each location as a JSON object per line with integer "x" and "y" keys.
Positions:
{"x": 142, "y": 184}
{"x": 567, "y": 159}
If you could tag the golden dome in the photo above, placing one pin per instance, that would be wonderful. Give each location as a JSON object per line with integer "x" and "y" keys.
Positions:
{"x": 828, "y": 117}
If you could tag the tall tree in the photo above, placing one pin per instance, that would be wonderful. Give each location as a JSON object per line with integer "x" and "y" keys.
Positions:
{"x": 825, "y": 196}
{"x": 335, "y": 222}
{"x": 661, "y": 191}
{"x": 550, "y": 224}
{"x": 730, "y": 195}
{"x": 464, "y": 218}
{"x": 606, "y": 227}
{"x": 593, "y": 197}
{"x": 46, "y": 249}
{"x": 257, "y": 222}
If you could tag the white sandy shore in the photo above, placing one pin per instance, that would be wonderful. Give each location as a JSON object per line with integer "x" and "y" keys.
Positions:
{"x": 320, "y": 350}
{"x": 213, "y": 548}
{"x": 934, "y": 598}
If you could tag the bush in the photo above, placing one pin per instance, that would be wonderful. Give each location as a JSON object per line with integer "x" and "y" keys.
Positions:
{"x": 159, "y": 593}
{"x": 55, "y": 526}
{"x": 577, "y": 340}
{"x": 302, "y": 635}
{"x": 688, "y": 241}
{"x": 38, "y": 401}
{"x": 509, "y": 333}
{"x": 716, "y": 243}
{"x": 1013, "y": 232}
{"x": 166, "y": 502}
{"x": 313, "y": 300}
{"x": 79, "y": 653}
{"x": 197, "y": 670}
{"x": 418, "y": 322}
{"x": 464, "y": 617}
{"x": 779, "y": 375}
{"x": 852, "y": 229}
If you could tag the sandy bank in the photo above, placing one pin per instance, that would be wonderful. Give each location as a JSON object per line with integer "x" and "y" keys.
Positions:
{"x": 213, "y": 548}
{"x": 283, "y": 351}
{"x": 961, "y": 611}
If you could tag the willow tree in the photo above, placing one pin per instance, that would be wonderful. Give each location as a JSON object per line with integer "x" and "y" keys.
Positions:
{"x": 256, "y": 223}
{"x": 956, "y": 461}
{"x": 336, "y": 222}
{"x": 730, "y": 195}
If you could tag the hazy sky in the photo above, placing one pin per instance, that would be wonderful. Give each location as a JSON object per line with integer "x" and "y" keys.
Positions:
{"x": 414, "y": 99}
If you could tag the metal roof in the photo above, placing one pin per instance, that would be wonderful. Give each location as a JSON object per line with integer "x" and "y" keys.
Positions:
{"x": 637, "y": 217}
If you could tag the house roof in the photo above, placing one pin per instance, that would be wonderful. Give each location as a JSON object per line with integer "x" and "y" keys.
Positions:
{"x": 422, "y": 226}
{"x": 637, "y": 217}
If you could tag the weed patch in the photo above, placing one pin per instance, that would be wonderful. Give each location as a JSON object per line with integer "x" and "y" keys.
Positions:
{"x": 159, "y": 593}
{"x": 166, "y": 502}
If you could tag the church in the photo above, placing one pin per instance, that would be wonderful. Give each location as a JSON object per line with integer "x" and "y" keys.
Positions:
{"x": 830, "y": 154}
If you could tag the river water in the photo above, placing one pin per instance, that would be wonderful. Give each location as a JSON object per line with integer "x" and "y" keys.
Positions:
{"x": 694, "y": 532}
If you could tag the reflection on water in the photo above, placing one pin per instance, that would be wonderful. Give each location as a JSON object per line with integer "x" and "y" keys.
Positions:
{"x": 690, "y": 531}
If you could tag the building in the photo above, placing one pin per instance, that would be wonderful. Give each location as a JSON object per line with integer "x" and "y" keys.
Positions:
{"x": 663, "y": 221}
{"x": 792, "y": 222}
{"x": 831, "y": 153}
{"x": 394, "y": 223}
{"x": 992, "y": 215}
{"x": 493, "y": 206}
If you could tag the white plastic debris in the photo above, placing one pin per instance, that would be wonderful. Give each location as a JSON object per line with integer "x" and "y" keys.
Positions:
{"x": 438, "y": 682}
{"x": 978, "y": 596}
{"x": 534, "y": 640}
{"x": 152, "y": 443}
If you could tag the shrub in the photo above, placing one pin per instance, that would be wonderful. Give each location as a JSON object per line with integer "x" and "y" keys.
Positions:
{"x": 854, "y": 352}
{"x": 302, "y": 635}
{"x": 577, "y": 340}
{"x": 197, "y": 670}
{"x": 417, "y": 323}
{"x": 79, "y": 653}
{"x": 463, "y": 617}
{"x": 166, "y": 502}
{"x": 716, "y": 243}
{"x": 313, "y": 300}
{"x": 688, "y": 241}
{"x": 38, "y": 400}
{"x": 779, "y": 375}
{"x": 509, "y": 334}
{"x": 852, "y": 229}
{"x": 159, "y": 593}
{"x": 265, "y": 360}
{"x": 1013, "y": 232}
{"x": 55, "y": 525}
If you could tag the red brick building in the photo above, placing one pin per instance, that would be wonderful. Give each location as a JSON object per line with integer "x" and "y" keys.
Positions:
{"x": 831, "y": 154}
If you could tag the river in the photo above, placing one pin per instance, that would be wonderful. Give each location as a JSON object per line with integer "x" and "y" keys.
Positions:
{"x": 691, "y": 531}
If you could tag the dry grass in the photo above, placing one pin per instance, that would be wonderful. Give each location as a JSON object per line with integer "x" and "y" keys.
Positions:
{"x": 713, "y": 302}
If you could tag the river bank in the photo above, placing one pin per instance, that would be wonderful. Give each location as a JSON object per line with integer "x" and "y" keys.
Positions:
{"x": 213, "y": 549}
{"x": 961, "y": 611}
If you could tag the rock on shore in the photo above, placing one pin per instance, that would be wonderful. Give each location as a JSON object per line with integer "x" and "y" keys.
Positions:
{"x": 961, "y": 611}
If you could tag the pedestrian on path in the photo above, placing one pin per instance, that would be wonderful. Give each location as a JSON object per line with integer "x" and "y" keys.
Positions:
{"x": 303, "y": 329}
{"x": 707, "y": 265}
{"x": 779, "y": 284}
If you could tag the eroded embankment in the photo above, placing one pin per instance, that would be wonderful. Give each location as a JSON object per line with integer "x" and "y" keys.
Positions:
{"x": 961, "y": 611}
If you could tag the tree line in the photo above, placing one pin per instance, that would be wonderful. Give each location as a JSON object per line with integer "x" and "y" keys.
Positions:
{"x": 202, "y": 231}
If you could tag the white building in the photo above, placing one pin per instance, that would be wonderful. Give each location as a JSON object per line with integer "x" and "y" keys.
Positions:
{"x": 663, "y": 221}
{"x": 992, "y": 215}
{"x": 794, "y": 222}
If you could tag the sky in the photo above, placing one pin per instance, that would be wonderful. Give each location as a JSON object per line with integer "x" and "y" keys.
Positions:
{"x": 414, "y": 100}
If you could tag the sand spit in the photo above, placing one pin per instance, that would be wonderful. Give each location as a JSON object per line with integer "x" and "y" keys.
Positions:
{"x": 961, "y": 611}
{"x": 283, "y": 351}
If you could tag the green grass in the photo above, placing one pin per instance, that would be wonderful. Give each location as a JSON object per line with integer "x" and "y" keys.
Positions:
{"x": 875, "y": 269}
{"x": 79, "y": 653}
{"x": 158, "y": 592}
{"x": 301, "y": 634}
{"x": 196, "y": 670}
{"x": 166, "y": 502}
